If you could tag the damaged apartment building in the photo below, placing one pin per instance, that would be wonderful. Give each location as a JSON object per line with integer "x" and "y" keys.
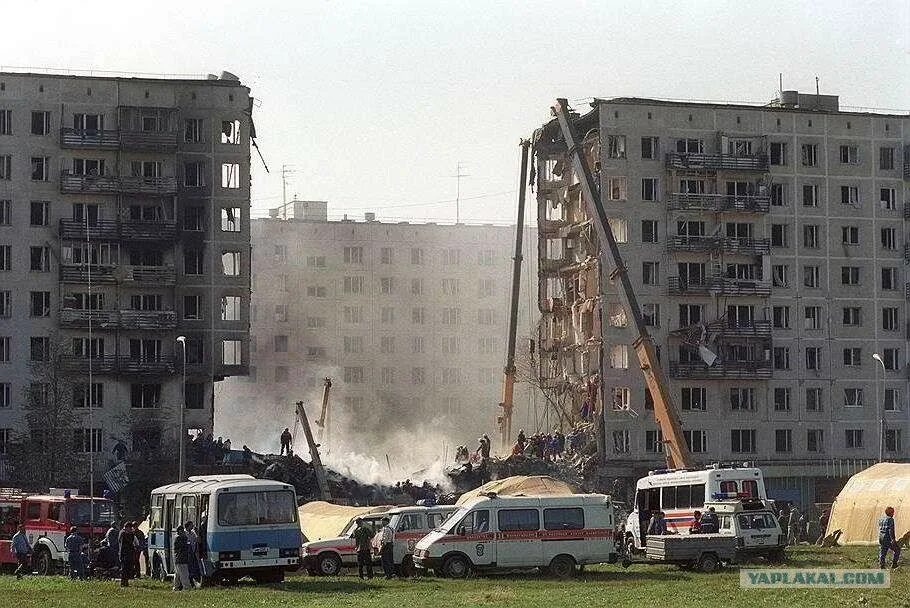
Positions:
{"x": 768, "y": 249}
{"x": 124, "y": 224}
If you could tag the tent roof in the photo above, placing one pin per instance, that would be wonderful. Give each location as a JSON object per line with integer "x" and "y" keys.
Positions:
{"x": 862, "y": 502}
{"x": 320, "y": 520}
{"x": 535, "y": 485}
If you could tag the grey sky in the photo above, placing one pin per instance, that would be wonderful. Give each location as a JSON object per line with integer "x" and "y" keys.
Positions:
{"x": 374, "y": 103}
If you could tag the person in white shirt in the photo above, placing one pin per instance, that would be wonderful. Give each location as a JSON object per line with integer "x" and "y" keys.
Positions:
{"x": 386, "y": 537}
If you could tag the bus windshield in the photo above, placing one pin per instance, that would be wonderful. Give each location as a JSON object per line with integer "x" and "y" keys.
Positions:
{"x": 256, "y": 508}
{"x": 80, "y": 511}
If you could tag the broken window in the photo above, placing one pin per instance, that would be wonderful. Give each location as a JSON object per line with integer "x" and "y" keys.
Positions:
{"x": 616, "y": 146}
{"x": 40, "y": 259}
{"x": 810, "y": 236}
{"x": 780, "y": 235}
{"x": 694, "y": 398}
{"x": 889, "y": 278}
{"x": 486, "y": 316}
{"x": 690, "y": 314}
{"x": 230, "y": 175}
{"x": 39, "y": 212}
{"x": 40, "y": 304}
{"x": 892, "y": 400}
{"x": 886, "y": 158}
{"x": 892, "y": 358}
{"x": 192, "y": 307}
{"x": 617, "y": 189}
{"x": 385, "y": 255}
{"x": 616, "y": 315}
{"x": 192, "y": 262}
{"x": 742, "y": 399}
{"x": 622, "y": 398}
{"x": 40, "y": 168}
{"x": 230, "y": 132}
{"x": 739, "y": 147}
{"x": 692, "y": 186}
{"x": 849, "y": 275}
{"x": 486, "y": 257}
{"x": 621, "y": 443}
{"x": 849, "y": 195}
{"x": 889, "y": 238}
{"x": 352, "y": 314}
{"x": 450, "y": 287}
{"x": 194, "y": 174}
{"x": 650, "y": 273}
{"x": 230, "y": 263}
{"x": 780, "y": 357}
{"x": 386, "y": 285}
{"x": 230, "y": 308}
{"x": 739, "y": 230}
{"x": 691, "y": 273}
{"x": 231, "y": 352}
{"x": 192, "y": 130}
{"x": 144, "y": 396}
{"x": 387, "y": 315}
{"x": 281, "y": 344}
{"x": 813, "y": 357}
{"x": 619, "y": 356}
{"x": 812, "y": 317}
{"x": 853, "y": 397}
{"x": 230, "y": 219}
{"x": 620, "y": 229}
{"x": 146, "y": 168}
{"x": 778, "y": 195}
{"x": 690, "y": 146}
{"x": 146, "y": 301}
{"x": 450, "y": 345}
{"x": 690, "y": 228}
{"x": 781, "y": 317}
{"x": 194, "y": 218}
{"x": 650, "y": 314}
{"x": 890, "y": 318}
{"x": 809, "y": 155}
{"x": 6, "y": 122}
{"x": 451, "y": 257}
{"x": 416, "y": 287}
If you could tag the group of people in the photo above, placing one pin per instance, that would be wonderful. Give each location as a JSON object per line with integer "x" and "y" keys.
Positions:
{"x": 205, "y": 449}
{"x": 549, "y": 446}
{"x": 367, "y": 541}
{"x": 705, "y": 522}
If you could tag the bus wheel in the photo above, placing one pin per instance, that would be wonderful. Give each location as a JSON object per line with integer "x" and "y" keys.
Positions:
{"x": 708, "y": 563}
{"x": 562, "y": 567}
{"x": 44, "y": 565}
{"x": 329, "y": 564}
{"x": 456, "y": 566}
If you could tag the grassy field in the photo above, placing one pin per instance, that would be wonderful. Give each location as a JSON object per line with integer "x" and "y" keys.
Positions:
{"x": 639, "y": 586}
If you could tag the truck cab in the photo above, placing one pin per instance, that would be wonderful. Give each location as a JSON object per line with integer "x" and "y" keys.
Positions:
{"x": 409, "y": 525}
{"x": 753, "y": 523}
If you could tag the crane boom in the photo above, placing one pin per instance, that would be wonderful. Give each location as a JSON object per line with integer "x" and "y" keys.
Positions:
{"x": 318, "y": 469}
{"x": 677, "y": 452}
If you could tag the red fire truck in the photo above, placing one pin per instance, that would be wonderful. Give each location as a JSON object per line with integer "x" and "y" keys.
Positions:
{"x": 47, "y": 520}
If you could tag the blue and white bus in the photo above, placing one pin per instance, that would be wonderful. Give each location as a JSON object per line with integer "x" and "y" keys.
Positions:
{"x": 246, "y": 527}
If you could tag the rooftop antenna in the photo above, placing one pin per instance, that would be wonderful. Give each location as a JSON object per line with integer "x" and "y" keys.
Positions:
{"x": 458, "y": 175}
{"x": 780, "y": 87}
{"x": 286, "y": 171}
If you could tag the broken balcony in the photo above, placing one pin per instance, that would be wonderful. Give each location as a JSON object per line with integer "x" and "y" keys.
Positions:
{"x": 718, "y": 286}
{"x": 156, "y": 275}
{"x": 79, "y": 318}
{"x": 146, "y": 366}
{"x": 698, "y": 370}
{"x": 148, "y": 319}
{"x": 148, "y": 128}
{"x": 77, "y": 364}
{"x": 719, "y": 203}
{"x": 112, "y": 230}
{"x": 738, "y": 246}
{"x": 89, "y": 139}
{"x": 71, "y": 183}
{"x": 714, "y": 162}
{"x": 97, "y": 230}
{"x": 99, "y": 274}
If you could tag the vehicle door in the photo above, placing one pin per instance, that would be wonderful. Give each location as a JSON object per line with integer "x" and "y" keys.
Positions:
{"x": 474, "y": 537}
{"x": 647, "y": 501}
{"x": 168, "y": 533}
{"x": 518, "y": 540}
{"x": 411, "y": 528}
{"x": 32, "y": 518}
{"x": 567, "y": 530}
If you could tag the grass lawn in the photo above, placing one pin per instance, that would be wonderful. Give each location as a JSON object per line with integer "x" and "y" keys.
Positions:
{"x": 638, "y": 586}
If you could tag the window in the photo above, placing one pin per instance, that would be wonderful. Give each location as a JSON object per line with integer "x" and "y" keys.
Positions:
{"x": 694, "y": 398}
{"x": 417, "y": 256}
{"x": 781, "y": 399}
{"x": 742, "y": 399}
{"x": 145, "y": 396}
{"x": 315, "y": 261}
{"x": 889, "y": 238}
{"x": 849, "y": 275}
{"x": 39, "y": 304}
{"x": 353, "y": 375}
{"x": 451, "y": 316}
{"x": 39, "y": 259}
{"x": 815, "y": 440}
{"x": 852, "y": 316}
{"x": 891, "y": 357}
{"x": 192, "y": 130}
{"x": 690, "y": 314}
{"x": 783, "y": 440}
{"x": 650, "y": 273}
{"x": 778, "y": 195}
{"x": 416, "y": 287}
{"x": 387, "y": 315}
{"x": 6, "y": 167}
{"x": 450, "y": 287}
{"x": 192, "y": 308}
{"x": 619, "y": 356}
{"x": 256, "y": 508}
{"x": 616, "y": 146}
{"x": 451, "y": 257}
{"x": 779, "y": 235}
{"x": 40, "y": 168}
{"x": 810, "y": 236}
{"x": 39, "y": 213}
{"x": 813, "y": 357}
{"x": 230, "y": 263}
{"x": 486, "y": 316}
{"x": 892, "y": 400}
{"x": 230, "y": 308}
{"x": 778, "y": 154}
{"x": 781, "y": 358}
{"x": 194, "y": 219}
{"x": 40, "y": 348}
{"x": 230, "y": 175}
{"x": 742, "y": 441}
{"x": 486, "y": 345}
{"x": 813, "y": 317}
{"x": 650, "y": 314}
{"x": 353, "y": 255}
{"x": 81, "y": 395}
{"x": 486, "y": 257}
{"x": 418, "y": 375}
{"x": 853, "y": 397}
{"x": 353, "y": 345}
{"x": 230, "y": 219}
{"x": 852, "y": 357}
{"x": 889, "y": 278}
{"x": 810, "y": 155}
{"x": 849, "y": 195}
{"x": 6, "y": 304}
{"x": 853, "y": 438}
{"x": 5, "y": 396}
{"x": 886, "y": 158}
{"x": 890, "y": 319}
{"x": 87, "y": 440}
{"x": 230, "y": 132}
{"x": 231, "y": 352}
{"x": 620, "y": 229}
{"x": 6, "y": 122}
{"x": 697, "y": 441}
{"x": 781, "y": 317}
{"x": 649, "y": 190}
{"x": 622, "y": 397}
{"x": 315, "y": 322}
{"x": 849, "y": 155}
{"x": 617, "y": 189}
{"x": 5, "y": 212}
{"x": 386, "y": 285}
{"x": 418, "y": 316}
{"x": 810, "y": 195}
{"x": 570, "y": 518}
{"x": 621, "y": 443}
{"x": 41, "y": 122}
{"x": 353, "y": 314}
{"x": 486, "y": 288}
{"x": 888, "y": 199}
{"x": 650, "y": 148}
{"x": 649, "y": 231}
{"x": 811, "y": 277}
{"x": 510, "y": 520}
{"x": 690, "y": 146}
{"x": 5, "y": 349}
{"x": 893, "y": 440}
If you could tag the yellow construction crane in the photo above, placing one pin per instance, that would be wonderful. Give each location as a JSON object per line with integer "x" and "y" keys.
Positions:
{"x": 677, "y": 452}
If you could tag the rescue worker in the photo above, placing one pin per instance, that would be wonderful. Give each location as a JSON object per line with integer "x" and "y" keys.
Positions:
{"x": 286, "y": 442}
{"x": 887, "y": 539}
{"x": 363, "y": 537}
{"x": 695, "y": 528}
{"x": 128, "y": 549}
{"x": 111, "y": 537}
{"x": 22, "y": 549}
{"x": 709, "y": 522}
{"x": 658, "y": 524}
{"x": 73, "y": 545}
{"x": 386, "y": 538}
{"x": 181, "y": 562}
{"x": 142, "y": 551}
{"x": 793, "y": 526}
{"x": 192, "y": 542}
{"x": 522, "y": 440}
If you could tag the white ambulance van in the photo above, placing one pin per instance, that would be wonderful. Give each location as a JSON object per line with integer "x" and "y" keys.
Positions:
{"x": 490, "y": 532}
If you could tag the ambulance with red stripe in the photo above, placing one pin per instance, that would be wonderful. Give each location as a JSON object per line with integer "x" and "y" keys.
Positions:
{"x": 679, "y": 493}
{"x": 554, "y": 533}
{"x": 47, "y": 521}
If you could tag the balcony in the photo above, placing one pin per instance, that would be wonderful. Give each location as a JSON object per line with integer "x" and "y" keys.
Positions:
{"x": 746, "y": 370}
{"x": 114, "y": 230}
{"x": 112, "y": 184}
{"x": 744, "y": 246}
{"x": 73, "y": 364}
{"x": 89, "y": 139}
{"x": 112, "y": 364}
{"x": 719, "y": 286}
{"x": 158, "y": 141}
{"x": 100, "y": 230}
{"x": 78, "y": 318}
{"x": 719, "y": 203}
{"x": 157, "y": 275}
{"x": 742, "y": 329}
{"x": 714, "y": 162}
{"x": 164, "y": 230}
{"x": 97, "y": 274}
{"x": 146, "y": 366}
{"x": 148, "y": 319}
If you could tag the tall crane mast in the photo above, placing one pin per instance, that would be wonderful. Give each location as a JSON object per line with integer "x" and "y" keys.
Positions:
{"x": 677, "y": 452}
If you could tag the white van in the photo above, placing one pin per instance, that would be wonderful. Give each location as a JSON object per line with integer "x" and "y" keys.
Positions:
{"x": 556, "y": 533}
{"x": 409, "y": 525}
{"x": 679, "y": 493}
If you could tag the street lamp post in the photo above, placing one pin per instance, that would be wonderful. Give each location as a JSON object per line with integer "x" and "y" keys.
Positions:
{"x": 181, "y": 436}
{"x": 881, "y": 412}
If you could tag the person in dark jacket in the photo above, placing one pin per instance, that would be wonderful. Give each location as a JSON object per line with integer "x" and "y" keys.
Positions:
{"x": 73, "y": 544}
{"x": 128, "y": 546}
{"x": 181, "y": 561}
{"x": 710, "y": 524}
{"x": 142, "y": 551}
{"x": 363, "y": 536}
{"x": 887, "y": 539}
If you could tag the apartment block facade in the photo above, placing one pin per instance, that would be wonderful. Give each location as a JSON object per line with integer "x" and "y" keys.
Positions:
{"x": 768, "y": 246}
{"x": 408, "y": 320}
{"x": 124, "y": 224}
